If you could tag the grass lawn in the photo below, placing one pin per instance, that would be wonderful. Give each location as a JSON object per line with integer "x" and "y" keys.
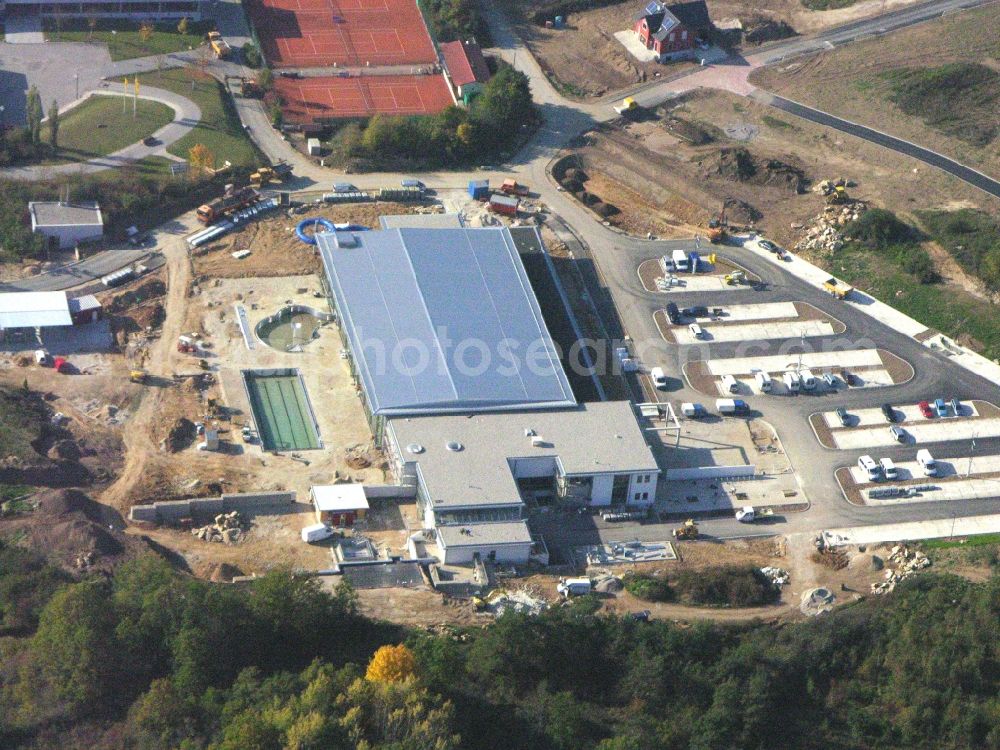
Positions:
{"x": 972, "y": 541}
{"x": 219, "y": 130}
{"x": 98, "y": 127}
{"x": 122, "y": 36}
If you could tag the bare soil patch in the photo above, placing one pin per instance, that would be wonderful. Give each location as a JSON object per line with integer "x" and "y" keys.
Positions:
{"x": 275, "y": 250}
{"x": 856, "y": 80}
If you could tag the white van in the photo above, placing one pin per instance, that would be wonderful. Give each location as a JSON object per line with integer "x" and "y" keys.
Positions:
{"x": 730, "y": 405}
{"x": 927, "y": 462}
{"x": 658, "y": 377}
{"x": 696, "y": 330}
{"x": 888, "y": 468}
{"x": 792, "y": 381}
{"x": 808, "y": 381}
{"x": 730, "y": 384}
{"x": 316, "y": 532}
{"x": 680, "y": 259}
{"x": 867, "y": 464}
{"x": 763, "y": 381}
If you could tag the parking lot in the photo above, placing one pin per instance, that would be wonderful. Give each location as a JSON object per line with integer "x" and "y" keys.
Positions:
{"x": 864, "y": 368}
{"x": 870, "y": 429}
{"x": 963, "y": 478}
{"x": 753, "y": 322}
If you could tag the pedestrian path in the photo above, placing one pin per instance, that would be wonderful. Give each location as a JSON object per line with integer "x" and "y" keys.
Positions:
{"x": 914, "y": 530}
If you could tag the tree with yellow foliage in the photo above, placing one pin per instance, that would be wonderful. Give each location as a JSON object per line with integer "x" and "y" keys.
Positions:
{"x": 391, "y": 664}
{"x": 200, "y": 158}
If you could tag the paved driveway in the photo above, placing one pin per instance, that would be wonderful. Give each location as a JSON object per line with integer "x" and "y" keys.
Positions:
{"x": 50, "y": 67}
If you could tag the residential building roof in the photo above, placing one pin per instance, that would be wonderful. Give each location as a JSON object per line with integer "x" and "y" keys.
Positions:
{"x": 442, "y": 321}
{"x": 34, "y": 310}
{"x": 421, "y": 221}
{"x": 595, "y": 438}
{"x": 484, "y": 534}
{"x": 339, "y": 497}
{"x": 663, "y": 18}
{"x": 55, "y": 214}
{"x": 465, "y": 62}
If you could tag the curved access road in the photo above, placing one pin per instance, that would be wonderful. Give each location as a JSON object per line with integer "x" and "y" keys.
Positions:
{"x": 932, "y": 158}
{"x": 187, "y": 115}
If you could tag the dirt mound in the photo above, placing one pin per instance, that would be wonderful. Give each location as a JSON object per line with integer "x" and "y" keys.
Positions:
{"x": 221, "y": 572}
{"x": 759, "y": 28}
{"x": 181, "y": 434}
{"x": 65, "y": 450}
{"x": 741, "y": 165}
{"x": 56, "y": 503}
{"x": 741, "y": 212}
{"x": 146, "y": 291}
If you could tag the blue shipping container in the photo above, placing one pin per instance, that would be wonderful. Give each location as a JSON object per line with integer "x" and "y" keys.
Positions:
{"x": 479, "y": 189}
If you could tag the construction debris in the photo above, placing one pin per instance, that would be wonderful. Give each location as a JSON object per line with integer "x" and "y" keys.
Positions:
{"x": 907, "y": 562}
{"x": 229, "y": 528}
{"x": 523, "y": 600}
{"x": 824, "y": 232}
{"x": 777, "y": 576}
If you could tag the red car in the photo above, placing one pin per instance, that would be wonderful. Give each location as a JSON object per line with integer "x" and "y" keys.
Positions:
{"x": 926, "y": 410}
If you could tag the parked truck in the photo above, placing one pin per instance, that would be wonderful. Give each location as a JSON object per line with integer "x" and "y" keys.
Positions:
{"x": 219, "y": 45}
{"x": 749, "y": 514}
{"x": 838, "y": 289}
{"x": 568, "y": 587}
{"x": 513, "y": 187}
{"x": 230, "y": 201}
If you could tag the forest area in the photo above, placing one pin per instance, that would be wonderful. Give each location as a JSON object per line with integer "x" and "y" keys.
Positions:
{"x": 148, "y": 657}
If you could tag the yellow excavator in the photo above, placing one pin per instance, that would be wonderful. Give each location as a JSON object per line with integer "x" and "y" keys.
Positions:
{"x": 688, "y": 530}
{"x": 717, "y": 228}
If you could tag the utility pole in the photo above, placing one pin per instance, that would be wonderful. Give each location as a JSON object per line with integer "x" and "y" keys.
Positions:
{"x": 968, "y": 470}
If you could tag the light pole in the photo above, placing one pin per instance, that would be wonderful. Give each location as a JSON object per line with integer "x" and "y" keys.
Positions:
{"x": 76, "y": 79}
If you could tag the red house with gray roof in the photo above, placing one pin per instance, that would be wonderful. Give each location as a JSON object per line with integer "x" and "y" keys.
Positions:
{"x": 672, "y": 31}
{"x": 466, "y": 66}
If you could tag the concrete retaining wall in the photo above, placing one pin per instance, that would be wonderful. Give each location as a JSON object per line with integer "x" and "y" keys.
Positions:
{"x": 172, "y": 511}
{"x": 390, "y": 491}
{"x": 711, "y": 472}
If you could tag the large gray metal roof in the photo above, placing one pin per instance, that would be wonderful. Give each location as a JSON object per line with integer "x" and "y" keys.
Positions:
{"x": 442, "y": 320}
{"x": 34, "y": 310}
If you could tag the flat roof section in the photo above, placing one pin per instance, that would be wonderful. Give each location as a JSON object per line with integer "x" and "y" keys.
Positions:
{"x": 421, "y": 221}
{"x": 55, "y": 214}
{"x": 480, "y": 534}
{"x": 597, "y": 438}
{"x": 34, "y": 310}
{"x": 339, "y": 497}
{"x": 442, "y": 321}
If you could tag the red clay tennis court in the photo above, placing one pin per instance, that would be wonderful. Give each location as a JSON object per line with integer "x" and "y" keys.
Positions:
{"x": 321, "y": 33}
{"x": 313, "y": 99}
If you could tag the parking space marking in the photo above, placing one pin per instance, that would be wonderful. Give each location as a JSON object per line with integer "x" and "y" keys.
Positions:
{"x": 759, "y": 311}
{"x": 781, "y": 362}
{"x": 958, "y": 489}
{"x": 910, "y": 412}
{"x": 783, "y": 329}
{"x": 949, "y": 467}
{"x": 936, "y": 431}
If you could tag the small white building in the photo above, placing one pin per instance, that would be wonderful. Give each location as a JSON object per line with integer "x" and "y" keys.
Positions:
{"x": 339, "y": 504}
{"x": 68, "y": 223}
{"x": 500, "y": 542}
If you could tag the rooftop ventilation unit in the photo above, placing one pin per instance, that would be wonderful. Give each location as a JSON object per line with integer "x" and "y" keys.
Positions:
{"x": 454, "y": 446}
{"x": 415, "y": 448}
{"x": 537, "y": 441}
{"x": 528, "y": 432}
{"x": 346, "y": 239}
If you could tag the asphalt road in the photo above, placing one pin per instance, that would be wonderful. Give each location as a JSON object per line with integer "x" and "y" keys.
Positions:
{"x": 934, "y": 159}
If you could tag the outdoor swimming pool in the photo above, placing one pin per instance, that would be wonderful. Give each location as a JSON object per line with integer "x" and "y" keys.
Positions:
{"x": 291, "y": 328}
{"x": 281, "y": 410}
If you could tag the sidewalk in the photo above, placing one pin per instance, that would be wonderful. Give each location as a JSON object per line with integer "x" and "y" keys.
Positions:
{"x": 887, "y": 315}
{"x": 914, "y": 530}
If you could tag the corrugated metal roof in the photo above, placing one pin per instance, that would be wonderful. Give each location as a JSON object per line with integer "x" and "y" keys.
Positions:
{"x": 34, "y": 310}
{"x": 442, "y": 320}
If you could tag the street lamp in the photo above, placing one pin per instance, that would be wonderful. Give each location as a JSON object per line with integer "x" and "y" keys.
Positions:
{"x": 76, "y": 79}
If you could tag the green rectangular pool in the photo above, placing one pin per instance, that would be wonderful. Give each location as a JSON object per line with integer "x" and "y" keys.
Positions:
{"x": 281, "y": 410}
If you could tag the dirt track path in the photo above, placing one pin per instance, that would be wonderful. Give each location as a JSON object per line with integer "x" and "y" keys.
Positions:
{"x": 140, "y": 447}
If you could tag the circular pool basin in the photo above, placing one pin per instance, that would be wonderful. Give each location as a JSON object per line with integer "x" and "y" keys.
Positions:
{"x": 291, "y": 328}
